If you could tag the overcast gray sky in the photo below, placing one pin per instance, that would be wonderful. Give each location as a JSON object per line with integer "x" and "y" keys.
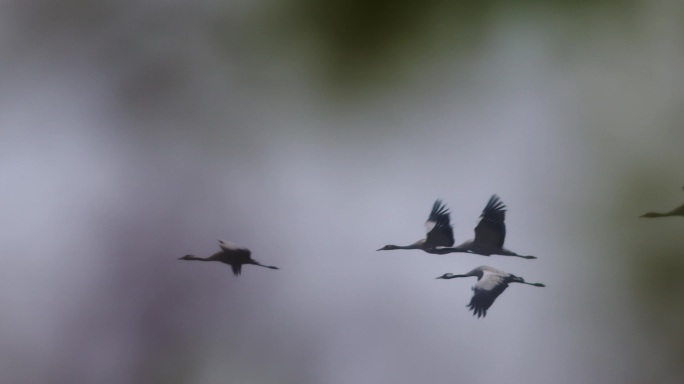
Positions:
{"x": 134, "y": 134}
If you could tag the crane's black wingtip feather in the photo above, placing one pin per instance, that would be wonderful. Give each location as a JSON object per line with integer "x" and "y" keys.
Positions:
{"x": 495, "y": 204}
{"x": 478, "y": 311}
{"x": 495, "y": 210}
{"x": 438, "y": 209}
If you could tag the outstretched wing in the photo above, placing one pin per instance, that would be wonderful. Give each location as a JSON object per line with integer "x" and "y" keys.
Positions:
{"x": 491, "y": 230}
{"x": 440, "y": 233}
{"x": 485, "y": 291}
{"x": 230, "y": 247}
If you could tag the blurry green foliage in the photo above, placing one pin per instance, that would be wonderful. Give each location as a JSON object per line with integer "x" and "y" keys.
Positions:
{"x": 366, "y": 41}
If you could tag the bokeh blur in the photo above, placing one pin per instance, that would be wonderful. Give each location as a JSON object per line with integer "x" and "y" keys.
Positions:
{"x": 135, "y": 132}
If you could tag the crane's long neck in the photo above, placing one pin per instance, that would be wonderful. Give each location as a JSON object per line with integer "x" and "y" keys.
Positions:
{"x": 193, "y": 257}
{"x": 392, "y": 247}
{"x": 455, "y": 276}
{"x": 412, "y": 246}
{"x": 679, "y": 211}
{"x": 657, "y": 214}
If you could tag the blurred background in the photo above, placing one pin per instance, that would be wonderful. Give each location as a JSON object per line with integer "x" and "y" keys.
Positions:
{"x": 314, "y": 133}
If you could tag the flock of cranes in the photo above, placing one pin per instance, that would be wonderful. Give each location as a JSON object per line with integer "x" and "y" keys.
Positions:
{"x": 490, "y": 234}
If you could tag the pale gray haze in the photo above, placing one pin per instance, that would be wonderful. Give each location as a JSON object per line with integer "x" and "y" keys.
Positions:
{"x": 133, "y": 133}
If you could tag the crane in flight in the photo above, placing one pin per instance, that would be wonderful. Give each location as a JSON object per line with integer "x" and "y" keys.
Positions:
{"x": 490, "y": 234}
{"x": 232, "y": 255}
{"x": 679, "y": 211}
{"x": 490, "y": 284}
{"x": 439, "y": 232}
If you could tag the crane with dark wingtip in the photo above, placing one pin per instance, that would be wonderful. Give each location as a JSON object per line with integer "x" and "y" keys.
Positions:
{"x": 490, "y": 284}
{"x": 439, "y": 232}
{"x": 679, "y": 211}
{"x": 232, "y": 255}
{"x": 490, "y": 234}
